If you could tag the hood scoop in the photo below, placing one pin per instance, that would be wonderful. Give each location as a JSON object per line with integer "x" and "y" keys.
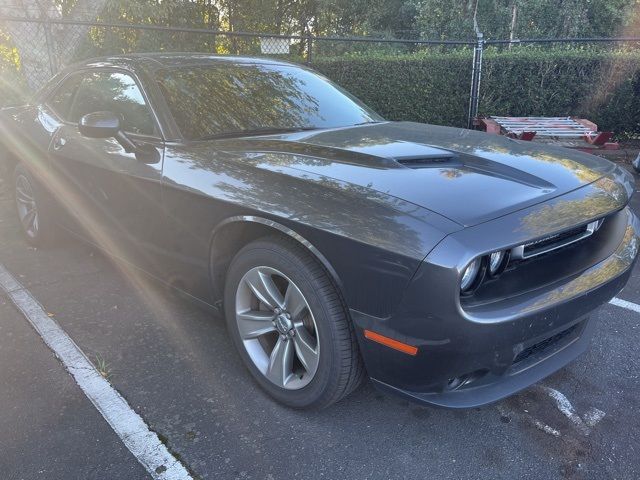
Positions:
{"x": 409, "y": 154}
{"x": 429, "y": 161}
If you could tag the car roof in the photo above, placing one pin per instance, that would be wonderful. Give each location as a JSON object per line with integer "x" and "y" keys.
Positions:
{"x": 158, "y": 60}
{"x": 151, "y": 62}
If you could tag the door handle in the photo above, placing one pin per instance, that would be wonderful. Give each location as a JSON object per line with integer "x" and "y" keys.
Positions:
{"x": 59, "y": 142}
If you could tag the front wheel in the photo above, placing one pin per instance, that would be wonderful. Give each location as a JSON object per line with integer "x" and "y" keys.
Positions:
{"x": 290, "y": 325}
{"x": 36, "y": 224}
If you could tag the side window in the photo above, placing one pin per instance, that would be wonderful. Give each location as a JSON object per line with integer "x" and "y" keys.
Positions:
{"x": 60, "y": 101}
{"x": 117, "y": 93}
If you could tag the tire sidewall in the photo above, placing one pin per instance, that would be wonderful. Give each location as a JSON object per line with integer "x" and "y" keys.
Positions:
{"x": 262, "y": 253}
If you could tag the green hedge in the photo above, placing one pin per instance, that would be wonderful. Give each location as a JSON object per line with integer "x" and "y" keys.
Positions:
{"x": 434, "y": 88}
{"x": 424, "y": 88}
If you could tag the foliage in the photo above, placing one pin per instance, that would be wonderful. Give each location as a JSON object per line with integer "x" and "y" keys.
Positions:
{"x": 12, "y": 88}
{"x": 424, "y": 87}
{"x": 533, "y": 18}
{"x": 320, "y": 17}
{"x": 387, "y": 18}
{"x": 601, "y": 86}
{"x": 434, "y": 87}
{"x": 431, "y": 19}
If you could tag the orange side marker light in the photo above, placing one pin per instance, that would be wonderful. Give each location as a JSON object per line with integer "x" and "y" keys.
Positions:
{"x": 391, "y": 343}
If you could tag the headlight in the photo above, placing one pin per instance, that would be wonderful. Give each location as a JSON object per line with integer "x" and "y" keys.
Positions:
{"x": 497, "y": 262}
{"x": 470, "y": 275}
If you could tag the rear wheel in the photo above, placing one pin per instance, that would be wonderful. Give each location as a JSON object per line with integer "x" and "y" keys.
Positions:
{"x": 36, "y": 225}
{"x": 290, "y": 325}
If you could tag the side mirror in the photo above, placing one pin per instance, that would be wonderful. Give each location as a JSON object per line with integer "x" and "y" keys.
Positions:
{"x": 105, "y": 125}
{"x": 99, "y": 125}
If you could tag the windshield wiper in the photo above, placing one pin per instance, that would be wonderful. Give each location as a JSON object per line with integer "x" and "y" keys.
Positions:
{"x": 257, "y": 131}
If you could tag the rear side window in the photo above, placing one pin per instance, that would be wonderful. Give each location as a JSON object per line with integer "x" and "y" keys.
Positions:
{"x": 114, "y": 92}
{"x": 60, "y": 102}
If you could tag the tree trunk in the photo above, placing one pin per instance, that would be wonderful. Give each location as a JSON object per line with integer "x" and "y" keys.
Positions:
{"x": 44, "y": 48}
{"x": 279, "y": 17}
{"x": 512, "y": 28}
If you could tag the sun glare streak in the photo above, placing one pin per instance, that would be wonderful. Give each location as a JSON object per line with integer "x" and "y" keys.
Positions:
{"x": 15, "y": 90}
{"x": 64, "y": 190}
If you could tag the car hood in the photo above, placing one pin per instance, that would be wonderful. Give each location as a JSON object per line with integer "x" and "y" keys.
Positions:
{"x": 466, "y": 176}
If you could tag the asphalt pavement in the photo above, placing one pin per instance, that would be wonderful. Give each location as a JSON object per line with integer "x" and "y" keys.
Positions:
{"x": 176, "y": 367}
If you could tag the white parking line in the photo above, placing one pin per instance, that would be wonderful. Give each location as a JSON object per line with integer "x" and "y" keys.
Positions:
{"x": 618, "y": 302}
{"x": 128, "y": 425}
{"x": 565, "y": 406}
{"x": 546, "y": 428}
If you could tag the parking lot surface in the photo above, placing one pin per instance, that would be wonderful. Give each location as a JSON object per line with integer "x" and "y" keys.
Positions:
{"x": 176, "y": 367}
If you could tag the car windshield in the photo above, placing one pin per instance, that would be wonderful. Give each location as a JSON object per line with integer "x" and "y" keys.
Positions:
{"x": 223, "y": 100}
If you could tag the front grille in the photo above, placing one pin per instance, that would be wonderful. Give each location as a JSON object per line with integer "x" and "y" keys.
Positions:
{"x": 532, "y": 248}
{"x": 545, "y": 344}
{"x": 554, "y": 242}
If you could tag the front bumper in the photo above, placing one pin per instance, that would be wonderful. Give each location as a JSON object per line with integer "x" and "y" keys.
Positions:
{"x": 473, "y": 356}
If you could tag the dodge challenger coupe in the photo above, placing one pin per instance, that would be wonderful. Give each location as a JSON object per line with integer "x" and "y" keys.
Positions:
{"x": 450, "y": 266}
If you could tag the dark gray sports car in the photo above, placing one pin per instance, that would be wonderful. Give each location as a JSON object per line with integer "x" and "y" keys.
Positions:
{"x": 450, "y": 266}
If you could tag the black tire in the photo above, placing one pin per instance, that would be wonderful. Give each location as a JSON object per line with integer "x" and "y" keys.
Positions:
{"x": 340, "y": 368}
{"x": 46, "y": 229}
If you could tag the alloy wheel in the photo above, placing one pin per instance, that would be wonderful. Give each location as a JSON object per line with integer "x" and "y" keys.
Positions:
{"x": 277, "y": 328}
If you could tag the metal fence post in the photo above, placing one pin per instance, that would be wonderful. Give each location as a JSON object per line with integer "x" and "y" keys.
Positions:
{"x": 51, "y": 51}
{"x": 309, "y": 48}
{"x": 476, "y": 72}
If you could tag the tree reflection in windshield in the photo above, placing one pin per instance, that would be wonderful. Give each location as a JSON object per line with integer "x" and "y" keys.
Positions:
{"x": 210, "y": 100}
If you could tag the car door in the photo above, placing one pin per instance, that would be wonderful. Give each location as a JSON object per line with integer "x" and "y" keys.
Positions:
{"x": 114, "y": 196}
{"x": 27, "y": 131}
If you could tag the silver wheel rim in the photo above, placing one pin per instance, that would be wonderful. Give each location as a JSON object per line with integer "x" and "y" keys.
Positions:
{"x": 27, "y": 208}
{"x": 277, "y": 328}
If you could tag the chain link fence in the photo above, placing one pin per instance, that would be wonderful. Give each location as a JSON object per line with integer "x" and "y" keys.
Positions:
{"x": 51, "y": 44}
{"x": 62, "y": 42}
{"x": 445, "y": 82}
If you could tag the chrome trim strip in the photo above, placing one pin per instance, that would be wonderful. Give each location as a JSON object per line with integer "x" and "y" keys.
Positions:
{"x": 519, "y": 251}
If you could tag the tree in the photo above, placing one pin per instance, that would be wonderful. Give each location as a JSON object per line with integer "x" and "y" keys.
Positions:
{"x": 524, "y": 18}
{"x": 43, "y": 49}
